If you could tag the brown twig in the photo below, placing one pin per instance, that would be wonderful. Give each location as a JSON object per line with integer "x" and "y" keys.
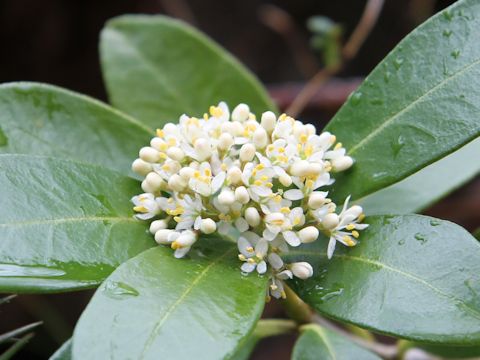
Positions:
{"x": 357, "y": 38}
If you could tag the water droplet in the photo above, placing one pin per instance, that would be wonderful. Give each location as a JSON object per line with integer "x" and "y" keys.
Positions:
{"x": 398, "y": 145}
{"x": 421, "y": 237}
{"x": 356, "y": 98}
{"x": 401, "y": 242}
{"x": 447, "y": 33}
{"x": 386, "y": 76}
{"x": 455, "y": 54}
{"x": 119, "y": 290}
{"x": 29, "y": 271}
{"x": 376, "y": 102}
{"x": 379, "y": 174}
{"x": 448, "y": 15}
{"x": 397, "y": 63}
{"x": 3, "y": 138}
{"x": 435, "y": 222}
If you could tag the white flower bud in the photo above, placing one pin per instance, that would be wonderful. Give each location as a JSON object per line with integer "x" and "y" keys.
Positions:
{"x": 308, "y": 234}
{"x": 342, "y": 163}
{"x": 234, "y": 175}
{"x": 315, "y": 169}
{"x": 176, "y": 153}
{"x": 310, "y": 129}
{"x": 186, "y": 238}
{"x": 157, "y": 143}
{"x": 303, "y": 270}
{"x": 330, "y": 221}
{"x": 141, "y": 167}
{"x": 268, "y": 121}
{"x": 252, "y": 216}
{"x": 241, "y": 113}
{"x": 241, "y": 195}
{"x": 146, "y": 187}
{"x": 237, "y": 128}
{"x": 316, "y": 200}
{"x": 149, "y": 154}
{"x": 260, "y": 138}
{"x": 247, "y": 152}
{"x": 225, "y": 141}
{"x": 186, "y": 172}
{"x": 155, "y": 181}
{"x": 161, "y": 236}
{"x": 203, "y": 149}
{"x": 177, "y": 183}
{"x": 208, "y": 226}
{"x": 158, "y": 225}
{"x": 285, "y": 180}
{"x": 300, "y": 168}
{"x": 354, "y": 211}
{"x": 226, "y": 197}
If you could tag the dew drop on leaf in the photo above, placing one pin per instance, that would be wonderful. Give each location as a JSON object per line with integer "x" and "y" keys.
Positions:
{"x": 448, "y": 15}
{"x": 119, "y": 290}
{"x": 401, "y": 242}
{"x": 398, "y": 145}
{"x": 356, "y": 98}
{"x": 435, "y": 222}
{"x": 455, "y": 54}
{"x": 397, "y": 63}
{"x": 421, "y": 238}
{"x": 447, "y": 33}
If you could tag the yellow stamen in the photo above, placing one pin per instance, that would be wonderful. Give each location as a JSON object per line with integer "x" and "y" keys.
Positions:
{"x": 350, "y": 227}
{"x": 355, "y": 234}
{"x": 160, "y": 133}
{"x": 141, "y": 208}
{"x": 285, "y": 210}
{"x": 338, "y": 146}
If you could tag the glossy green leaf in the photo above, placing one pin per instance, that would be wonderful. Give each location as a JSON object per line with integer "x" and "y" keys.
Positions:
{"x": 156, "y": 68}
{"x": 427, "y": 186}
{"x": 64, "y": 352}
{"x": 64, "y": 225}
{"x": 157, "y": 307}
{"x": 455, "y": 352}
{"x": 46, "y": 120}
{"x": 418, "y": 105}
{"x": 410, "y": 276}
{"x": 316, "y": 342}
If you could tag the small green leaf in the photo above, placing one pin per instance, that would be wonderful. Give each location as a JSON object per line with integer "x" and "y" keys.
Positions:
{"x": 40, "y": 119}
{"x": 455, "y": 352}
{"x": 64, "y": 352}
{"x": 157, "y": 69}
{"x": 157, "y": 307}
{"x": 417, "y": 106}
{"x": 411, "y": 276}
{"x": 64, "y": 225}
{"x": 427, "y": 186}
{"x": 316, "y": 343}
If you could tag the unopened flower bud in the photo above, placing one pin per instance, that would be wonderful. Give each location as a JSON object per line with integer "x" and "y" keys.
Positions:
{"x": 155, "y": 181}
{"x": 146, "y": 187}
{"x": 208, "y": 226}
{"x": 316, "y": 199}
{"x": 342, "y": 163}
{"x": 141, "y": 167}
{"x": 247, "y": 152}
{"x": 186, "y": 238}
{"x": 260, "y": 138}
{"x": 252, "y": 216}
{"x": 176, "y": 153}
{"x": 158, "y": 225}
{"x": 308, "y": 234}
{"x": 225, "y": 141}
{"x": 203, "y": 149}
{"x": 234, "y": 175}
{"x": 354, "y": 211}
{"x": 149, "y": 154}
{"x": 303, "y": 270}
{"x": 158, "y": 144}
{"x": 241, "y": 113}
{"x": 330, "y": 221}
{"x": 241, "y": 195}
{"x": 162, "y": 235}
{"x": 186, "y": 172}
{"x": 300, "y": 168}
{"x": 285, "y": 180}
{"x": 226, "y": 197}
{"x": 268, "y": 121}
{"x": 177, "y": 183}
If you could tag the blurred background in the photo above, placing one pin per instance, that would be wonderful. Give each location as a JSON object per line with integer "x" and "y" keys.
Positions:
{"x": 56, "y": 41}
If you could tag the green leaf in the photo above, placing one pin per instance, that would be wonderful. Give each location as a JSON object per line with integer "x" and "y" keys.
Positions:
{"x": 64, "y": 352}
{"x": 316, "y": 343}
{"x": 64, "y": 225}
{"x": 410, "y": 276}
{"x": 46, "y": 120}
{"x": 456, "y": 352}
{"x": 157, "y": 307}
{"x": 156, "y": 69}
{"x": 418, "y": 105}
{"x": 19, "y": 331}
{"x": 16, "y": 347}
{"x": 427, "y": 186}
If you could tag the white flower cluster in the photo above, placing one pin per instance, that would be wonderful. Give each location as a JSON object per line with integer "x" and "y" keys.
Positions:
{"x": 229, "y": 172}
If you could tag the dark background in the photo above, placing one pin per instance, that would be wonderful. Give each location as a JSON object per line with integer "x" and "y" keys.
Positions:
{"x": 55, "y": 41}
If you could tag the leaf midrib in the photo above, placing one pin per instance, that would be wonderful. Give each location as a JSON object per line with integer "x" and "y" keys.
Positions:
{"x": 398, "y": 271}
{"x": 180, "y": 299}
{"x": 392, "y": 118}
{"x": 324, "y": 338}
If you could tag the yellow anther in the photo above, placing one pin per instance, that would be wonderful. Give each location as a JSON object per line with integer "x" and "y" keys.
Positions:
{"x": 163, "y": 146}
{"x": 309, "y": 183}
{"x": 196, "y": 174}
{"x": 258, "y": 182}
{"x": 270, "y": 147}
{"x": 297, "y": 220}
{"x": 205, "y": 116}
{"x": 273, "y": 287}
{"x": 252, "y": 116}
{"x": 260, "y": 167}
{"x": 264, "y": 177}
{"x": 303, "y": 138}
{"x": 277, "y": 199}
{"x": 350, "y": 227}
{"x": 166, "y": 167}
{"x": 251, "y": 261}
{"x": 216, "y": 111}
{"x": 242, "y": 257}
{"x": 177, "y": 219}
{"x": 172, "y": 141}
{"x": 259, "y": 256}
{"x": 281, "y": 150}
{"x": 249, "y": 249}
{"x": 282, "y": 117}
{"x": 268, "y": 298}
{"x": 140, "y": 208}
{"x": 309, "y": 150}
{"x": 355, "y": 234}
{"x": 162, "y": 155}
{"x": 333, "y": 139}
{"x": 283, "y": 294}
{"x": 207, "y": 172}
{"x": 223, "y": 167}
{"x": 361, "y": 217}
{"x": 160, "y": 133}
{"x": 285, "y": 210}
{"x": 348, "y": 240}
{"x": 278, "y": 222}
{"x": 338, "y": 146}
{"x": 282, "y": 158}
{"x": 175, "y": 245}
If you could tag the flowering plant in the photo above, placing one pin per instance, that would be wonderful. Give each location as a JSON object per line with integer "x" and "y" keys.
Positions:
{"x": 228, "y": 190}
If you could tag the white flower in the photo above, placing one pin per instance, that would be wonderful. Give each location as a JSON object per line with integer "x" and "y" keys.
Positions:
{"x": 257, "y": 182}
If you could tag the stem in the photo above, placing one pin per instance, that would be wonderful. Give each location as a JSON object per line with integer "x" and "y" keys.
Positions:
{"x": 295, "y": 308}
{"x": 273, "y": 327}
{"x": 368, "y": 20}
